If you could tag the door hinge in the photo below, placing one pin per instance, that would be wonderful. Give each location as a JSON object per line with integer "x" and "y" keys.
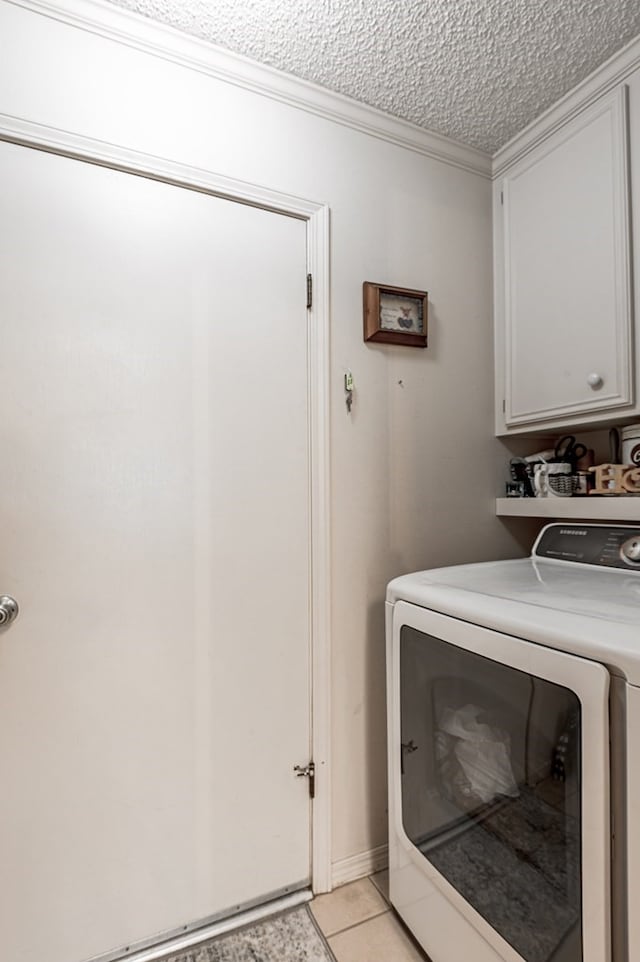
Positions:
{"x": 309, "y": 291}
{"x": 502, "y": 197}
{"x": 504, "y": 406}
{"x": 307, "y": 771}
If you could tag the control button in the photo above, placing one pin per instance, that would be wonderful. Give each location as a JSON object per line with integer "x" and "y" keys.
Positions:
{"x": 630, "y": 551}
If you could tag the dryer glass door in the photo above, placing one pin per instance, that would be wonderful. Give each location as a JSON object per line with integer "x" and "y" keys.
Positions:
{"x": 492, "y": 775}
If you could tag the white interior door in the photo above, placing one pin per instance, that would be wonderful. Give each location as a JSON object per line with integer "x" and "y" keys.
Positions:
{"x": 154, "y": 508}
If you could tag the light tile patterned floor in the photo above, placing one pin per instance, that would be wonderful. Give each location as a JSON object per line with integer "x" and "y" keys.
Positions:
{"x": 360, "y": 926}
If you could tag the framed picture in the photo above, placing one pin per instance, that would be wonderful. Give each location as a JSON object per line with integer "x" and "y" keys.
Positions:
{"x": 395, "y": 315}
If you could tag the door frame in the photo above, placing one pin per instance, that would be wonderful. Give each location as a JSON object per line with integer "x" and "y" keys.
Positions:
{"x": 316, "y": 218}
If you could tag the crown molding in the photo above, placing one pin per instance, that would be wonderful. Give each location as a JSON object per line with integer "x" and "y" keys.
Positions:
{"x": 166, "y": 43}
{"x": 612, "y": 73}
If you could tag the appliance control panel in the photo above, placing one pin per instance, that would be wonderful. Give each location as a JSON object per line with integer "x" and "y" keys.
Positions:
{"x": 609, "y": 546}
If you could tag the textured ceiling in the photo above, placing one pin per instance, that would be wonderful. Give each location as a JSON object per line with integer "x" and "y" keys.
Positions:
{"x": 474, "y": 70}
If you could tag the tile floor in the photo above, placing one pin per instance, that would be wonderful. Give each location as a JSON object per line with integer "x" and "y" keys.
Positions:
{"x": 360, "y": 925}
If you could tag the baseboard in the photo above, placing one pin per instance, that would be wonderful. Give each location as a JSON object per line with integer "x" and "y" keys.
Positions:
{"x": 358, "y": 866}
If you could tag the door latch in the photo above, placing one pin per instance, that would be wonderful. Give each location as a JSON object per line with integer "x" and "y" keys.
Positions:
{"x": 406, "y": 748}
{"x": 307, "y": 771}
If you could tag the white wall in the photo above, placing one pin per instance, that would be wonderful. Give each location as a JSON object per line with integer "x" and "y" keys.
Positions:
{"x": 415, "y": 466}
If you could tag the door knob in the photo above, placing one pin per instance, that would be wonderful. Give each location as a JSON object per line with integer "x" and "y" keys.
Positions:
{"x": 8, "y": 610}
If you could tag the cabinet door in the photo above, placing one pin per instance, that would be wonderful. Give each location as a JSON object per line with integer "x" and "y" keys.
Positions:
{"x": 567, "y": 273}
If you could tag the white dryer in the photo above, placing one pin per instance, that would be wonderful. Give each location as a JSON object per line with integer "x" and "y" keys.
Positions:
{"x": 514, "y": 752}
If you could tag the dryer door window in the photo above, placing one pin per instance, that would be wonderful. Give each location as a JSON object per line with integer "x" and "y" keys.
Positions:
{"x": 491, "y": 776}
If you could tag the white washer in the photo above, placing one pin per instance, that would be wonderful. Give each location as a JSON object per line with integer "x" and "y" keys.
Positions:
{"x": 514, "y": 722}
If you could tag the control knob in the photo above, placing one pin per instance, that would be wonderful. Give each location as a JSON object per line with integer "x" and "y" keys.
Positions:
{"x": 630, "y": 550}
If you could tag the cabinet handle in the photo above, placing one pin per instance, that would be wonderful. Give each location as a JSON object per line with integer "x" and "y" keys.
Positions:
{"x": 594, "y": 380}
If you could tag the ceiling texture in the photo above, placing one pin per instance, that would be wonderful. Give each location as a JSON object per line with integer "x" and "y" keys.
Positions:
{"x": 474, "y": 70}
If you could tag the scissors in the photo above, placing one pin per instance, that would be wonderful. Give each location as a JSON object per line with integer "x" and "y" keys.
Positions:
{"x": 568, "y": 450}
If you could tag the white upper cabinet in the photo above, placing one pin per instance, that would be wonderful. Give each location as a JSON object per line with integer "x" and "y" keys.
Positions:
{"x": 563, "y": 276}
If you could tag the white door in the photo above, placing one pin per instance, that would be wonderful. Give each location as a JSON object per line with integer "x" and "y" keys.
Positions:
{"x": 154, "y": 509}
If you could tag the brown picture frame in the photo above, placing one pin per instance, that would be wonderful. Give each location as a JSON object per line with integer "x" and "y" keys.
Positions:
{"x": 394, "y": 315}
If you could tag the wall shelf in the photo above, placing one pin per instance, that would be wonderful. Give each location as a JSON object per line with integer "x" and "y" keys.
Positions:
{"x": 594, "y": 508}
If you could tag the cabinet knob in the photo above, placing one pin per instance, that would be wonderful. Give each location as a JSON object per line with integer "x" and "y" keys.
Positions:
{"x": 594, "y": 380}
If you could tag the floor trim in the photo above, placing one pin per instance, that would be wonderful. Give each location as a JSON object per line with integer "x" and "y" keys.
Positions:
{"x": 358, "y": 866}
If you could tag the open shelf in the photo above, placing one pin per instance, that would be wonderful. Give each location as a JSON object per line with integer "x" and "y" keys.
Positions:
{"x": 593, "y": 508}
